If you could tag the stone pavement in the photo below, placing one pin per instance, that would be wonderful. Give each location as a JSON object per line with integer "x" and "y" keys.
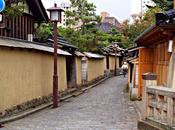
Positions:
{"x": 104, "y": 107}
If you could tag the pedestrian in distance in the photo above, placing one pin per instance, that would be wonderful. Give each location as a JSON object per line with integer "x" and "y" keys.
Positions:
{"x": 124, "y": 68}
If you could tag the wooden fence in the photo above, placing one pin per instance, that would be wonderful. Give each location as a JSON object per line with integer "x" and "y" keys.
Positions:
{"x": 161, "y": 105}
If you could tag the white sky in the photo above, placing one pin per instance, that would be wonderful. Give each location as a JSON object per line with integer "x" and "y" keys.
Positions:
{"x": 121, "y": 9}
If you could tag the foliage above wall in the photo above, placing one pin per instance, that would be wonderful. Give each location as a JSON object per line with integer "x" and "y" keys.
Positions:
{"x": 164, "y": 5}
{"x": 139, "y": 23}
{"x": 86, "y": 37}
{"x": 92, "y": 40}
{"x": 13, "y": 9}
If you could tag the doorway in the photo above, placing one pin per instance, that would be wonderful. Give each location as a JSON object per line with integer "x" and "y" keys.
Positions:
{"x": 71, "y": 71}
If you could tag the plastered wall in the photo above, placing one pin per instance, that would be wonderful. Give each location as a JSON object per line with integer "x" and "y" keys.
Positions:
{"x": 25, "y": 75}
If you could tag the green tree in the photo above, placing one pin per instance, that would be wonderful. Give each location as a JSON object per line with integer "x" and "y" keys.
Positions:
{"x": 88, "y": 37}
{"x": 92, "y": 40}
{"x": 82, "y": 11}
{"x": 13, "y": 9}
{"x": 43, "y": 31}
{"x": 138, "y": 25}
{"x": 164, "y": 5}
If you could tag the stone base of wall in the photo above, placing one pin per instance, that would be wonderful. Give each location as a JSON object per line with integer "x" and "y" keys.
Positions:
{"x": 118, "y": 72}
{"x": 27, "y": 105}
{"x": 152, "y": 125}
{"x": 133, "y": 92}
{"x": 144, "y": 125}
{"x": 42, "y": 100}
{"x": 30, "y": 105}
{"x": 85, "y": 84}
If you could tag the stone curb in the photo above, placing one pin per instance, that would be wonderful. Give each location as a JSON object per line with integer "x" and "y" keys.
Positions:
{"x": 29, "y": 112}
{"x": 137, "y": 108}
{"x": 91, "y": 86}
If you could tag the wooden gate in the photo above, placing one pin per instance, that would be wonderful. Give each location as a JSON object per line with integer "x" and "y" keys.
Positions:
{"x": 84, "y": 70}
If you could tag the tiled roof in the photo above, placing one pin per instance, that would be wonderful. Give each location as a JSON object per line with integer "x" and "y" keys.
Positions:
{"x": 93, "y": 55}
{"x": 63, "y": 42}
{"x": 15, "y": 43}
{"x": 77, "y": 53}
{"x": 37, "y": 8}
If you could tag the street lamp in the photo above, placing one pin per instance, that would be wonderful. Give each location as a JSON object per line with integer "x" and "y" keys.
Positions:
{"x": 55, "y": 17}
{"x": 115, "y": 47}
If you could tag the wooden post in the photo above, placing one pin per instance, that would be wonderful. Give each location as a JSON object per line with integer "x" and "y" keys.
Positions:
{"x": 149, "y": 79}
{"x": 115, "y": 67}
{"x": 174, "y": 3}
{"x": 55, "y": 76}
{"x": 170, "y": 111}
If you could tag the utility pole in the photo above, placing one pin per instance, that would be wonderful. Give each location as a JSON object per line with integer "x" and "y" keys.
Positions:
{"x": 141, "y": 8}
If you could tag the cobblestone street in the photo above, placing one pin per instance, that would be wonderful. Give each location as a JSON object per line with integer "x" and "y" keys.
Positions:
{"x": 104, "y": 107}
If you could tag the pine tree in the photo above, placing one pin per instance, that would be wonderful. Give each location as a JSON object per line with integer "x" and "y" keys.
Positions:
{"x": 165, "y": 5}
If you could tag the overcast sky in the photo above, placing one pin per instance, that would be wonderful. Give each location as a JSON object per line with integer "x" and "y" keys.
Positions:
{"x": 121, "y": 9}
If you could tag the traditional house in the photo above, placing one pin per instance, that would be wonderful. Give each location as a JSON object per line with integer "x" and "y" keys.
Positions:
{"x": 156, "y": 73}
{"x": 71, "y": 63}
{"x": 133, "y": 67}
{"x": 114, "y": 56}
{"x": 22, "y": 27}
{"x": 26, "y": 72}
{"x": 154, "y": 57}
{"x": 93, "y": 66}
{"x": 79, "y": 67}
{"x": 111, "y": 58}
{"x": 74, "y": 63}
{"x": 26, "y": 67}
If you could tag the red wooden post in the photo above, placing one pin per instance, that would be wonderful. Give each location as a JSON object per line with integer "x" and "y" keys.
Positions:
{"x": 115, "y": 73}
{"x": 55, "y": 16}
{"x": 55, "y": 76}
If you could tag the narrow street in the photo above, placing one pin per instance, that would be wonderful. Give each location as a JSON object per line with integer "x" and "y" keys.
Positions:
{"x": 104, "y": 107}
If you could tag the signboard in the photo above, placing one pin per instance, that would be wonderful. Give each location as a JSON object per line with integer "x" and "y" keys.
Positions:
{"x": 2, "y": 5}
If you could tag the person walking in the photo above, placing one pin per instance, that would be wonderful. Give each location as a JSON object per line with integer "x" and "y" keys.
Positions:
{"x": 124, "y": 68}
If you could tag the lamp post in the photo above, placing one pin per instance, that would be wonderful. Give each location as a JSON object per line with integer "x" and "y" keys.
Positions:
{"x": 115, "y": 71}
{"x": 55, "y": 17}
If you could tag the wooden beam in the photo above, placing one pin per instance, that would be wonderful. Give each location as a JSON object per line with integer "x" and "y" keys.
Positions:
{"x": 13, "y": 24}
{"x": 23, "y": 27}
{"x": 17, "y": 28}
{"x": 20, "y": 30}
{"x": 26, "y": 27}
{"x": 10, "y": 27}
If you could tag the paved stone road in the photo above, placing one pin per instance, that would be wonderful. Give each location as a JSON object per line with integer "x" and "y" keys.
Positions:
{"x": 101, "y": 108}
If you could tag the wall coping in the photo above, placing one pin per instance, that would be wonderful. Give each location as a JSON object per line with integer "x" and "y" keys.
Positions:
{"x": 149, "y": 76}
